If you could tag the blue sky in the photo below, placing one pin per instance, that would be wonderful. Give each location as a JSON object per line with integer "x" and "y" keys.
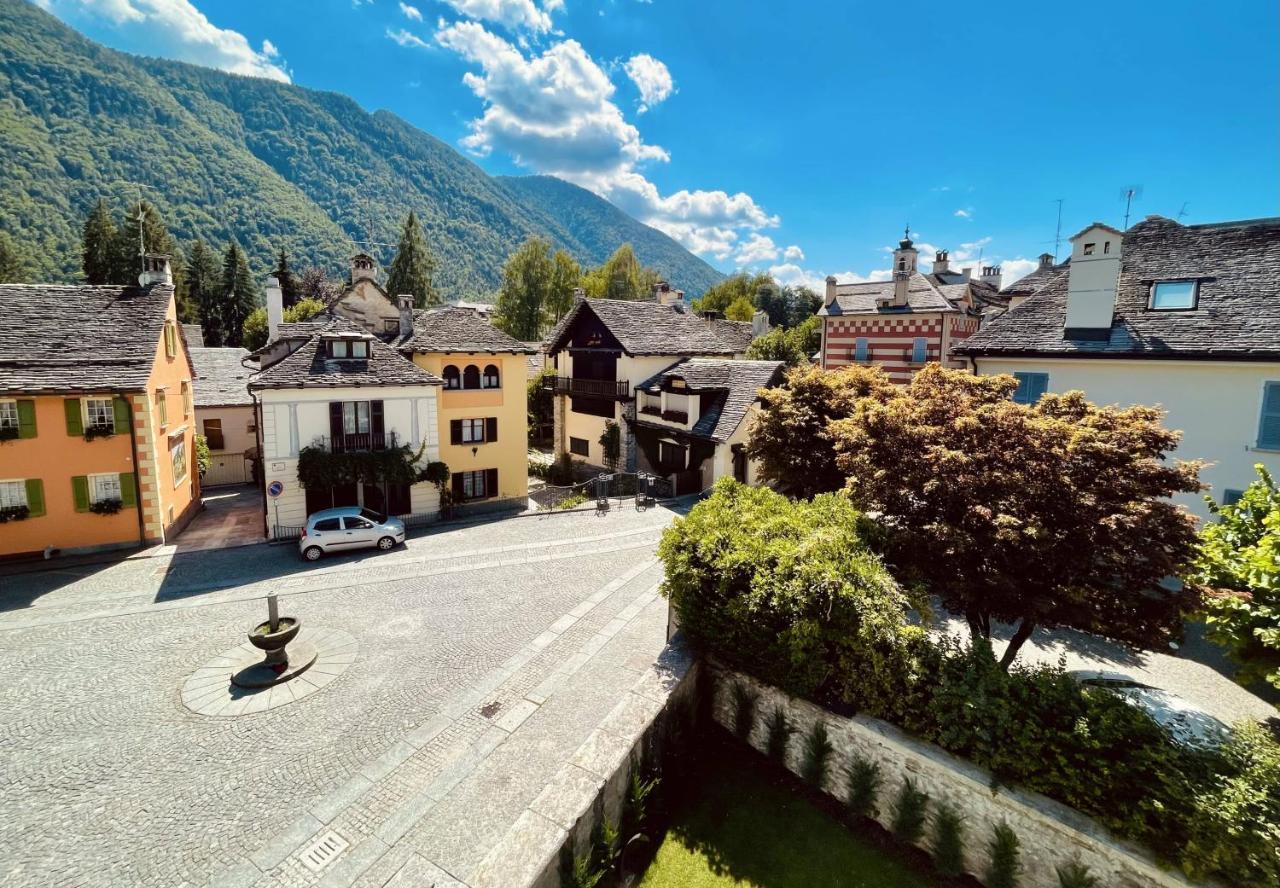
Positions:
{"x": 798, "y": 137}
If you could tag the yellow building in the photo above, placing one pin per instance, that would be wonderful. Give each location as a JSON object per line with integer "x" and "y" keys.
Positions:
{"x": 96, "y": 416}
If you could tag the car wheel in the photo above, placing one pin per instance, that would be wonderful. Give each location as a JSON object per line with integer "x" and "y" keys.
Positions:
{"x": 386, "y": 544}
{"x": 313, "y": 553}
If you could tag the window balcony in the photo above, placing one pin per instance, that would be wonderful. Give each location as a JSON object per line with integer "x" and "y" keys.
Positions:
{"x": 618, "y": 390}
{"x": 678, "y": 416}
{"x": 359, "y": 442}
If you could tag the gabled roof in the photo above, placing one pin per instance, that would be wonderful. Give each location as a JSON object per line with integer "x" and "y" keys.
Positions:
{"x": 79, "y": 338}
{"x": 220, "y": 379}
{"x": 923, "y": 295}
{"x": 733, "y": 385}
{"x": 1092, "y": 225}
{"x": 646, "y": 328}
{"x": 450, "y": 328}
{"x": 1036, "y": 280}
{"x": 1237, "y": 316}
{"x": 310, "y": 367}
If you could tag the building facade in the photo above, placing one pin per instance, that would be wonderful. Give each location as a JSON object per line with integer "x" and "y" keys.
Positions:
{"x": 97, "y": 429}
{"x": 225, "y": 415}
{"x": 1185, "y": 317}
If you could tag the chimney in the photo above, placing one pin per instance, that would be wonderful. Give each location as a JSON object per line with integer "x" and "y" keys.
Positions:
{"x": 967, "y": 272}
{"x": 940, "y": 262}
{"x": 363, "y": 267}
{"x": 991, "y": 275}
{"x": 664, "y": 295}
{"x": 1091, "y": 283}
{"x": 579, "y": 293}
{"x": 155, "y": 270}
{"x": 275, "y": 307}
{"x": 759, "y": 324}
{"x": 830, "y": 296}
{"x": 1046, "y": 260}
{"x": 404, "y": 302}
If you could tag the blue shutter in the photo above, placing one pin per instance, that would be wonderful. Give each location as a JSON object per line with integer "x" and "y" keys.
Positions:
{"x": 860, "y": 350}
{"x": 919, "y": 350}
{"x": 1030, "y": 387}
{"x": 1269, "y": 427}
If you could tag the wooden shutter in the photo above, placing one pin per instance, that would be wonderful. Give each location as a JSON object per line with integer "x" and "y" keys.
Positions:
{"x": 491, "y": 428}
{"x": 1269, "y": 427}
{"x": 128, "y": 489}
{"x": 75, "y": 421}
{"x": 120, "y": 408}
{"x": 1038, "y": 385}
{"x": 26, "y": 419}
{"x": 35, "y": 497}
{"x": 457, "y": 486}
{"x": 335, "y": 425}
{"x": 376, "y": 424}
{"x": 491, "y": 482}
{"x": 80, "y": 492}
{"x": 170, "y": 339}
{"x": 455, "y": 431}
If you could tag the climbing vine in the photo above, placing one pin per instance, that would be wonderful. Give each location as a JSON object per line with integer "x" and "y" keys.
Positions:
{"x": 318, "y": 467}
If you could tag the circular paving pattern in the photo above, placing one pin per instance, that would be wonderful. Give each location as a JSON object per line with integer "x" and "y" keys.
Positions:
{"x": 209, "y": 690}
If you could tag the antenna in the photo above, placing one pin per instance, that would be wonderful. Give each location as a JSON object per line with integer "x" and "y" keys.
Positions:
{"x": 142, "y": 244}
{"x": 1182, "y": 211}
{"x": 1129, "y": 193}
{"x": 1057, "y": 232}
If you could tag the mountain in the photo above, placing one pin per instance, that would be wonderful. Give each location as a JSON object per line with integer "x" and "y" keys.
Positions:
{"x": 271, "y": 164}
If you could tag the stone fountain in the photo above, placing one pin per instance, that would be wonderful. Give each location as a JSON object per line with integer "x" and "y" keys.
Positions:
{"x": 272, "y": 637}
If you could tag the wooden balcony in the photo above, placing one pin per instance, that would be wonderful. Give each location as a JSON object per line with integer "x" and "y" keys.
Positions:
{"x": 615, "y": 390}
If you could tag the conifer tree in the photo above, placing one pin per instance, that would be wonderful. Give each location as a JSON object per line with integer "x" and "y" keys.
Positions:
{"x": 413, "y": 266}
{"x": 239, "y": 294}
{"x": 290, "y": 288}
{"x": 100, "y": 240}
{"x": 204, "y": 292}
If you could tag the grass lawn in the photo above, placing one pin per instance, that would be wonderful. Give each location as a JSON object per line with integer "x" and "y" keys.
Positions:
{"x": 745, "y": 828}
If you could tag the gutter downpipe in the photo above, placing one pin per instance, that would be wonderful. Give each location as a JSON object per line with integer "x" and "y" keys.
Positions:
{"x": 262, "y": 456}
{"x": 137, "y": 475}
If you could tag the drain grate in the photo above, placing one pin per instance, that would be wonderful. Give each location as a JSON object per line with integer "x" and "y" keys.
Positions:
{"x": 489, "y": 710}
{"x": 324, "y": 850}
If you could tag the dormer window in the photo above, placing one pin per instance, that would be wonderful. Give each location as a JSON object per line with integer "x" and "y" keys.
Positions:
{"x": 348, "y": 348}
{"x": 1088, "y": 249}
{"x": 1174, "y": 295}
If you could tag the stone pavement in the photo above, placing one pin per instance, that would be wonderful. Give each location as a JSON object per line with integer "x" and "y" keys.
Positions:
{"x": 232, "y": 516}
{"x": 487, "y": 656}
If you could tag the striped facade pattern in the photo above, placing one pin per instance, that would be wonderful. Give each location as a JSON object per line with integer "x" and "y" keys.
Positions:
{"x": 890, "y": 341}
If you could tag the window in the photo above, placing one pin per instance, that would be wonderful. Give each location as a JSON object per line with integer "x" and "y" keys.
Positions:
{"x": 13, "y": 494}
{"x": 919, "y": 350}
{"x": 355, "y": 522}
{"x": 1106, "y": 247}
{"x": 375, "y": 517}
{"x": 452, "y": 379}
{"x": 213, "y": 434}
{"x": 328, "y": 524}
{"x": 471, "y": 377}
{"x": 472, "y": 431}
{"x": 1088, "y": 249}
{"x": 861, "y": 350}
{"x": 1231, "y": 497}
{"x": 391, "y": 325}
{"x": 178, "y": 459}
{"x": 104, "y": 487}
{"x": 478, "y": 485}
{"x": 338, "y": 348}
{"x": 670, "y": 455}
{"x": 1173, "y": 295}
{"x": 99, "y": 413}
{"x": 8, "y": 414}
{"x": 360, "y": 349}
{"x": 186, "y": 400}
{"x": 579, "y": 447}
{"x": 162, "y": 405}
{"x": 1030, "y": 387}
{"x": 491, "y": 377}
{"x": 1269, "y": 426}
{"x": 170, "y": 339}
{"x": 355, "y": 417}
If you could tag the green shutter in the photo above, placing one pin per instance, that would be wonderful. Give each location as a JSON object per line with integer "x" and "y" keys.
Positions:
{"x": 80, "y": 492}
{"x": 35, "y": 497}
{"x": 1269, "y": 426}
{"x": 75, "y": 423}
{"x": 120, "y": 407}
{"x": 26, "y": 419}
{"x": 128, "y": 489}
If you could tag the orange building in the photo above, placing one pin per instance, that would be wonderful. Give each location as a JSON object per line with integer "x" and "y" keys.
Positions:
{"x": 97, "y": 419}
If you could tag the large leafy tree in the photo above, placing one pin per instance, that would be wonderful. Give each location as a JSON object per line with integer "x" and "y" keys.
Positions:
{"x": 724, "y": 293}
{"x": 1238, "y": 564}
{"x": 740, "y": 309}
{"x": 413, "y": 266}
{"x": 527, "y": 281}
{"x": 99, "y": 243}
{"x": 239, "y": 293}
{"x": 621, "y": 277}
{"x": 315, "y": 284}
{"x": 791, "y": 436}
{"x": 794, "y": 345}
{"x": 255, "y": 330}
{"x": 290, "y": 288}
{"x": 1057, "y": 514}
{"x": 203, "y": 285}
{"x": 564, "y": 279}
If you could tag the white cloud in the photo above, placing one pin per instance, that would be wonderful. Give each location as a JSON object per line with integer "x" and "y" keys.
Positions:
{"x": 791, "y": 274}
{"x": 404, "y": 38}
{"x": 411, "y": 12}
{"x": 511, "y": 14}
{"x": 964, "y": 213}
{"x": 182, "y": 31}
{"x": 793, "y": 253}
{"x": 651, "y": 77}
{"x": 1015, "y": 269}
{"x": 757, "y": 248}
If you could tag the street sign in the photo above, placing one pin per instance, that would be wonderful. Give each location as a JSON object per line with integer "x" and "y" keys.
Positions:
{"x": 275, "y": 488}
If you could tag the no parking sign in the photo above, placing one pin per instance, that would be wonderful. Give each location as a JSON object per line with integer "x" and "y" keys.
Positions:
{"x": 275, "y": 488}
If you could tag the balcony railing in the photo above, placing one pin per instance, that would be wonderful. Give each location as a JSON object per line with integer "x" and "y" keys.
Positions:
{"x": 679, "y": 416}
{"x": 359, "y": 442}
{"x": 651, "y": 410}
{"x": 591, "y": 388}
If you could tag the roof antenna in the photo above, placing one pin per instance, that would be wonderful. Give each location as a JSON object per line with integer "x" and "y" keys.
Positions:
{"x": 1057, "y": 233}
{"x": 1183, "y": 211}
{"x": 1129, "y": 193}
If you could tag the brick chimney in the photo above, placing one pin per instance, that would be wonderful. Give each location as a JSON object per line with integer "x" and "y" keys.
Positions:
{"x": 830, "y": 295}
{"x": 155, "y": 270}
{"x": 404, "y": 302}
{"x": 275, "y": 307}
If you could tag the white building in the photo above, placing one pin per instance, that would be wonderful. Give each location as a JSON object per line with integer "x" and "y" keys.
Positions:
{"x": 1186, "y": 317}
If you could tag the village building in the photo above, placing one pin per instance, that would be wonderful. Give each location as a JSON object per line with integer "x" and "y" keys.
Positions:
{"x": 1186, "y": 317}
{"x": 910, "y": 320}
{"x": 97, "y": 418}
{"x": 225, "y": 414}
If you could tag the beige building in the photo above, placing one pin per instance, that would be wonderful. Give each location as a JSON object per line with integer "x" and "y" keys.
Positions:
{"x": 1186, "y": 317}
{"x": 225, "y": 415}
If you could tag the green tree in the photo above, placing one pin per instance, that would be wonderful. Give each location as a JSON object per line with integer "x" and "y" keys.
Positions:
{"x": 621, "y": 277}
{"x": 13, "y": 265}
{"x": 143, "y": 231}
{"x": 724, "y": 293}
{"x": 1057, "y": 514}
{"x": 564, "y": 279}
{"x": 527, "y": 281}
{"x": 239, "y": 293}
{"x": 203, "y": 284}
{"x": 1238, "y": 564}
{"x": 99, "y": 243}
{"x": 255, "y": 330}
{"x": 804, "y": 304}
{"x": 413, "y": 266}
{"x": 290, "y": 288}
{"x": 740, "y": 309}
{"x": 794, "y": 346}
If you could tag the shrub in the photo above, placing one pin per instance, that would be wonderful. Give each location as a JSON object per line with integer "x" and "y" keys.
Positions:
{"x": 1002, "y": 872}
{"x": 778, "y": 731}
{"x": 909, "y": 812}
{"x": 744, "y": 710}
{"x": 1076, "y": 875}
{"x": 817, "y": 752}
{"x": 948, "y": 839}
{"x": 863, "y": 785}
{"x": 560, "y": 473}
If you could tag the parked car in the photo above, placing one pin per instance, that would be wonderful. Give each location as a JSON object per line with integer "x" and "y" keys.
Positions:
{"x": 1186, "y": 722}
{"x": 348, "y": 527}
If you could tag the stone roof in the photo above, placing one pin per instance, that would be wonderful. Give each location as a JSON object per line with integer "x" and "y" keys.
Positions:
{"x": 1237, "y": 316}
{"x": 647, "y": 328}
{"x": 735, "y": 386}
{"x": 310, "y": 367}
{"x": 1029, "y": 284}
{"x": 735, "y": 334}
{"x": 79, "y": 338}
{"x": 946, "y": 292}
{"x": 450, "y": 328}
{"x": 194, "y": 334}
{"x": 220, "y": 379}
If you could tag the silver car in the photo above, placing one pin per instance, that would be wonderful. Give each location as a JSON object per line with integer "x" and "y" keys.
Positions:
{"x": 348, "y": 527}
{"x": 1186, "y": 722}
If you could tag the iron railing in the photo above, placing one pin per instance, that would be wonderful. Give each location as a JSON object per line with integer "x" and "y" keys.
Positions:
{"x": 590, "y": 388}
{"x": 358, "y": 442}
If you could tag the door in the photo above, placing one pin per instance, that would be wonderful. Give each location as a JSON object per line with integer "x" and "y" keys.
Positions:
{"x": 327, "y": 534}
{"x": 359, "y": 531}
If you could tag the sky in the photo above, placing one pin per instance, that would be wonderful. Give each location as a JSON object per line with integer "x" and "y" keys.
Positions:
{"x": 801, "y": 138}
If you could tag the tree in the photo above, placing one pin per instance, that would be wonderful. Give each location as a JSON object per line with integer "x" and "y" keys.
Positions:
{"x": 611, "y": 445}
{"x": 564, "y": 279}
{"x": 740, "y": 309}
{"x": 527, "y": 279}
{"x": 290, "y": 288}
{"x": 239, "y": 293}
{"x": 315, "y": 284}
{"x": 99, "y": 239}
{"x": 724, "y": 293}
{"x": 541, "y": 405}
{"x": 790, "y": 437}
{"x": 413, "y": 266}
{"x": 13, "y": 265}
{"x": 143, "y": 231}
{"x": 254, "y": 335}
{"x": 1050, "y": 515}
{"x": 203, "y": 283}
{"x": 1238, "y": 564}
{"x": 804, "y": 304}
{"x": 621, "y": 277}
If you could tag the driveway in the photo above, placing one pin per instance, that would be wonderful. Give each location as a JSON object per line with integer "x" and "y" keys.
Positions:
{"x": 232, "y": 516}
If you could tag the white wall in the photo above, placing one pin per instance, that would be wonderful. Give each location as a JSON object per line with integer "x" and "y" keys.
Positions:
{"x": 1216, "y": 405}
{"x": 236, "y": 424}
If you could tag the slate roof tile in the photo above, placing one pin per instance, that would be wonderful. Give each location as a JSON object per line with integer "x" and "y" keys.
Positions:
{"x": 451, "y": 328}
{"x": 310, "y": 367}
{"x": 735, "y": 386}
{"x": 220, "y": 379}
{"x": 647, "y": 328}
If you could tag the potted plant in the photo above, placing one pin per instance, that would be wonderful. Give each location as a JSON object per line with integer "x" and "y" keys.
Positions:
{"x": 98, "y": 431}
{"x": 106, "y": 506}
{"x": 14, "y": 513}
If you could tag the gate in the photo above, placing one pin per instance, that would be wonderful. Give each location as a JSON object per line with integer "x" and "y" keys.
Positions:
{"x": 227, "y": 468}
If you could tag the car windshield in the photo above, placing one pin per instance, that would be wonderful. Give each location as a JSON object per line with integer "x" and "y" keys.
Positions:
{"x": 373, "y": 516}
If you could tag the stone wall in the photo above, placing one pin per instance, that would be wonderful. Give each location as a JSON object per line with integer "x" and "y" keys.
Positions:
{"x": 1050, "y": 834}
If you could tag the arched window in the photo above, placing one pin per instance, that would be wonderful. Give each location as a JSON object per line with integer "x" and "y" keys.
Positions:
{"x": 451, "y": 378}
{"x": 471, "y": 377}
{"x": 491, "y": 377}
{"x": 902, "y": 265}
